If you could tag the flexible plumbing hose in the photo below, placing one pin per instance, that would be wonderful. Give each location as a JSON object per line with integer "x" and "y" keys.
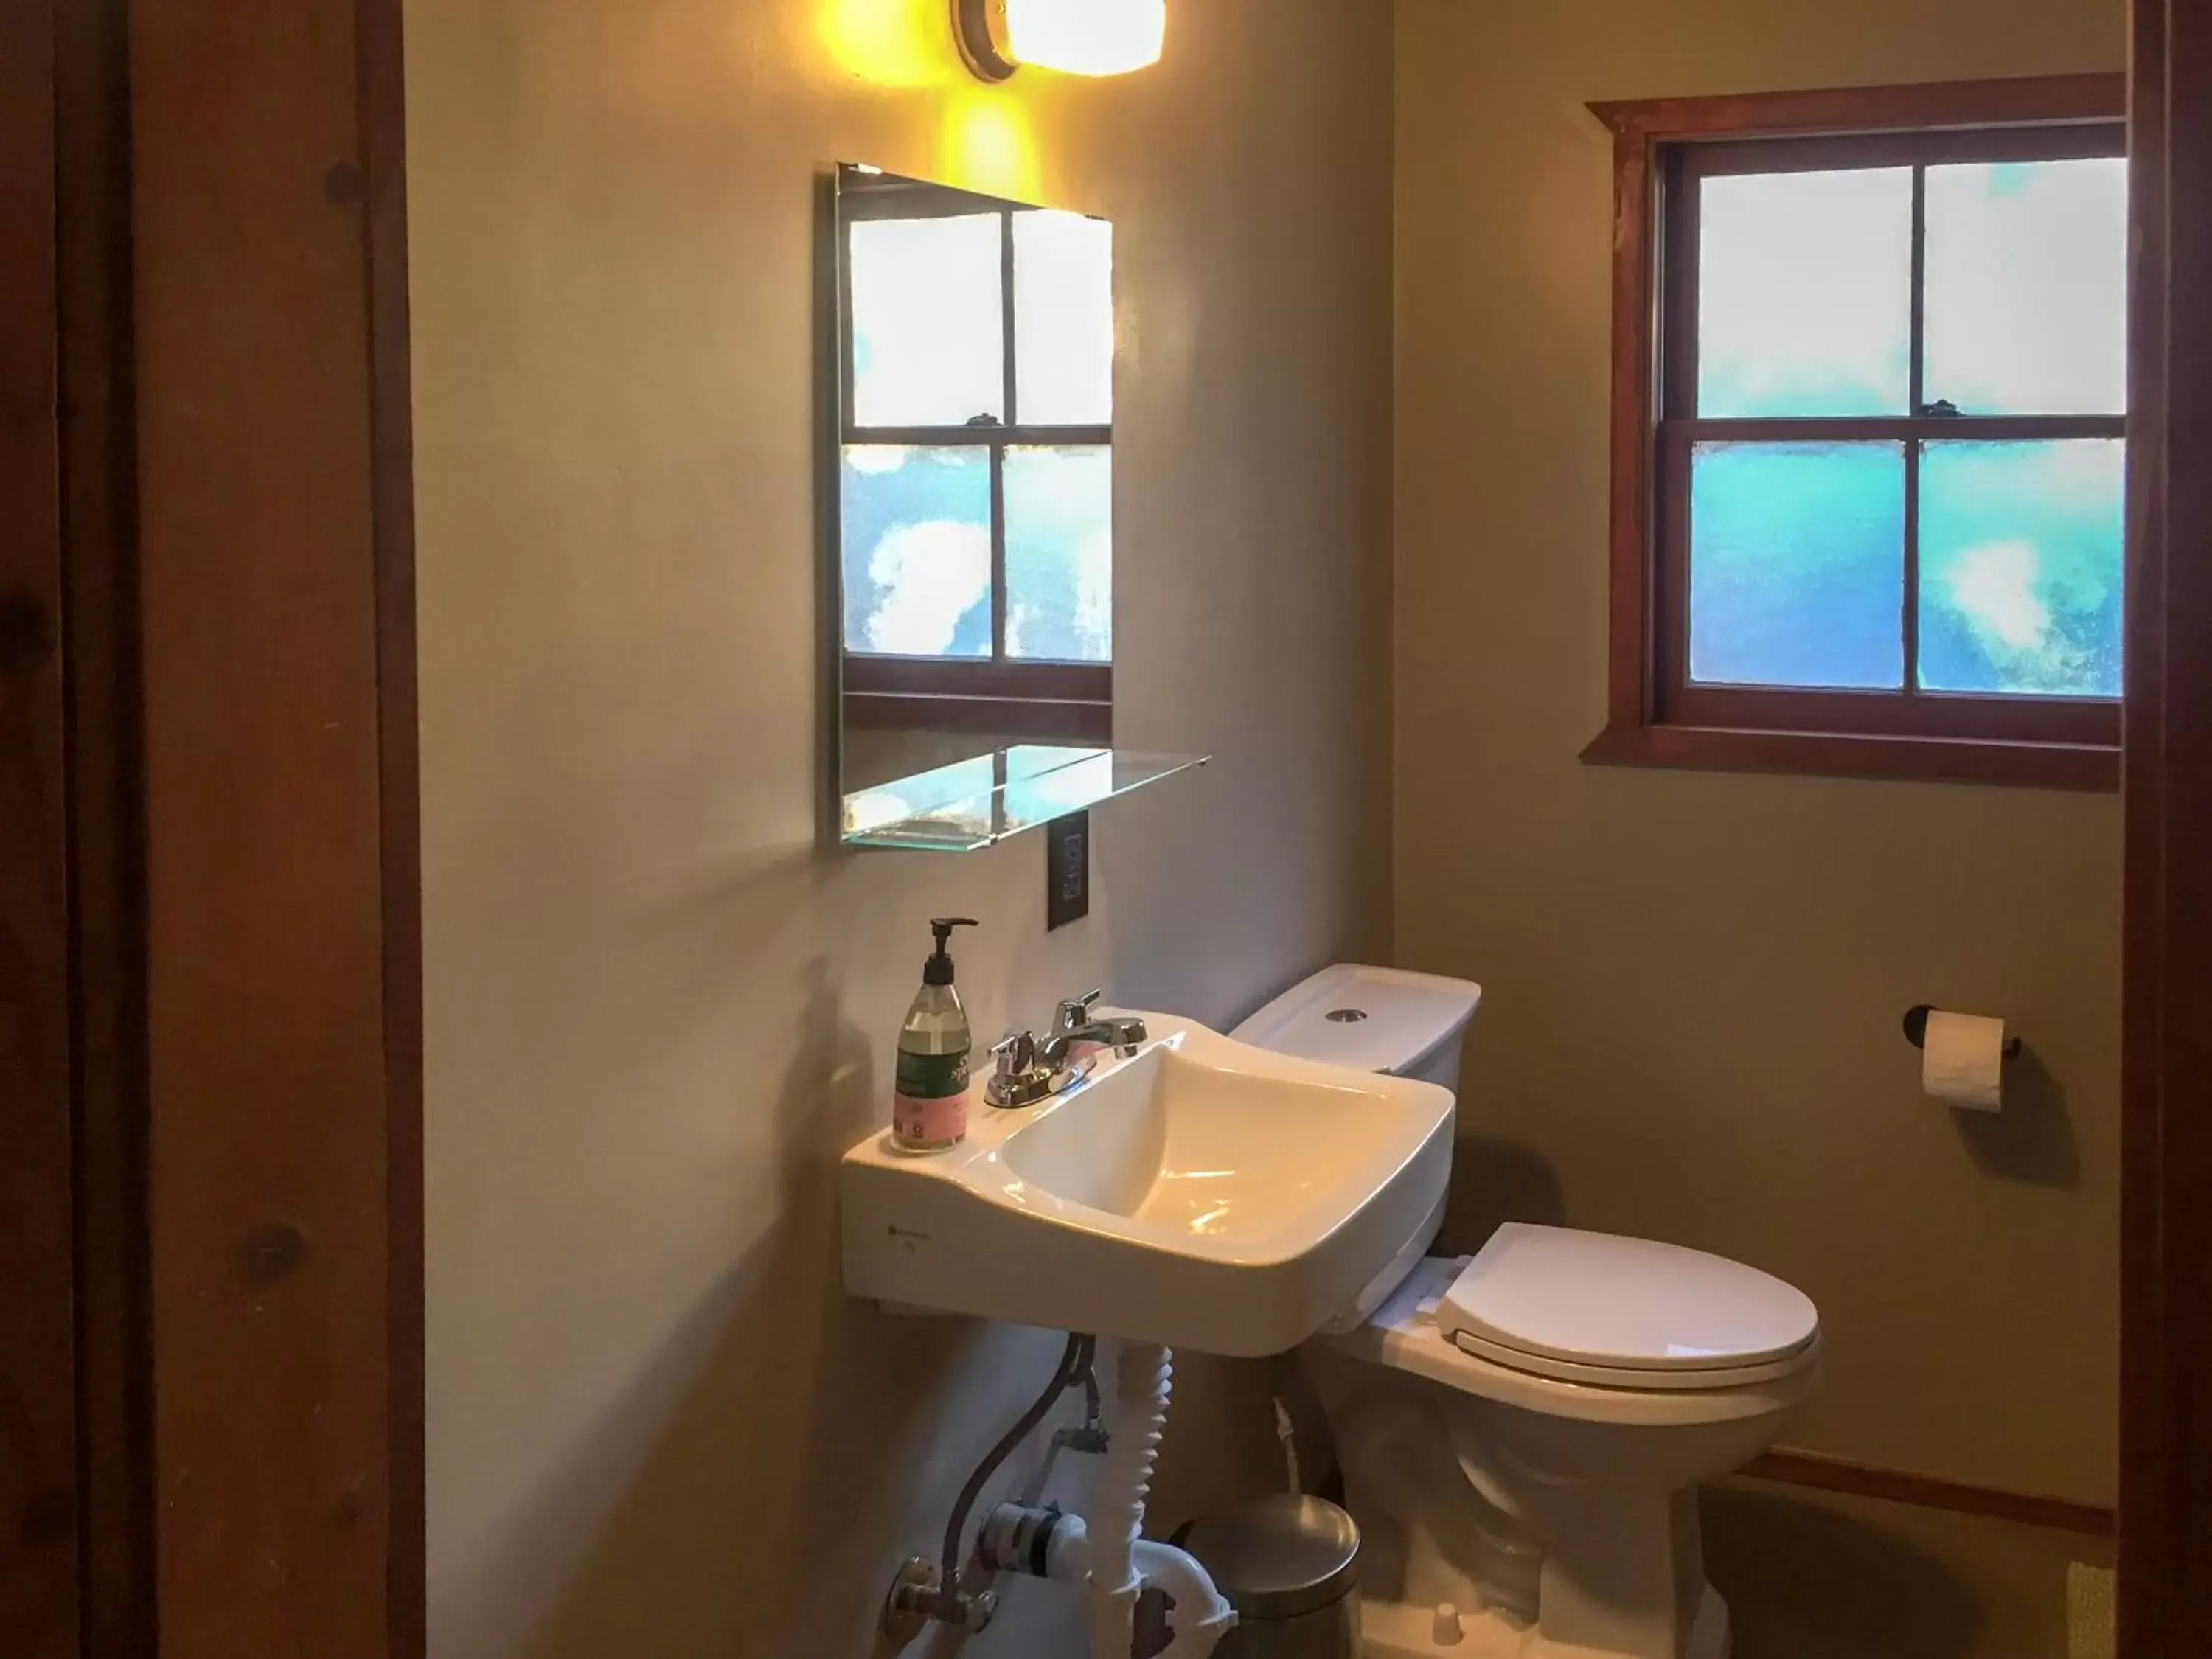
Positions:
{"x": 1122, "y": 1560}
{"x": 1074, "y": 1363}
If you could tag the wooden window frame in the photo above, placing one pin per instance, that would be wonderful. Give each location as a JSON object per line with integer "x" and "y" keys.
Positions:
{"x": 1042, "y": 699}
{"x": 1654, "y": 715}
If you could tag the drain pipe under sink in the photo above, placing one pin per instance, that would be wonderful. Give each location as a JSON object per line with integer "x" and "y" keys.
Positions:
{"x": 1122, "y": 1560}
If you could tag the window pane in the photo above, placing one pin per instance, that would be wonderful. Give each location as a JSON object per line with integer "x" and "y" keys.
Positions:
{"x": 2027, "y": 287}
{"x": 1063, "y": 321}
{"x": 928, "y": 325}
{"x": 2020, "y": 567}
{"x": 1059, "y": 554}
{"x": 1797, "y": 564}
{"x": 917, "y": 533}
{"x": 1805, "y": 294}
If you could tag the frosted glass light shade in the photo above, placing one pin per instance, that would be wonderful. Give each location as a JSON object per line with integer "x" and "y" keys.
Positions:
{"x": 1086, "y": 37}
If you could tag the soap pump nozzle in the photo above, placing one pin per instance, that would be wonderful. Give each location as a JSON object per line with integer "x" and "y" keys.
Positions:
{"x": 937, "y": 970}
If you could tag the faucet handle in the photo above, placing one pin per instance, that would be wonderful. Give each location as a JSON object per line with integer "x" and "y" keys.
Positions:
{"x": 1016, "y": 1053}
{"x": 1075, "y": 1010}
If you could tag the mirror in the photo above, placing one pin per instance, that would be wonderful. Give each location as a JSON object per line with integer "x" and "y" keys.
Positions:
{"x": 972, "y": 534}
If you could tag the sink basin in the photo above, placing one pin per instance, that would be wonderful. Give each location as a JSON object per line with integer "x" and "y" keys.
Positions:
{"x": 1203, "y": 1193}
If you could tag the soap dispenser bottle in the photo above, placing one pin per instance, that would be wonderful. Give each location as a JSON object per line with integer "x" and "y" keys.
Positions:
{"x": 929, "y": 1112}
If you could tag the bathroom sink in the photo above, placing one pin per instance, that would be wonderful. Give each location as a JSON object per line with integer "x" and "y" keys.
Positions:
{"x": 1203, "y": 1195}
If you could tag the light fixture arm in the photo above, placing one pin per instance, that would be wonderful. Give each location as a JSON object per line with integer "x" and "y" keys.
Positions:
{"x": 980, "y": 26}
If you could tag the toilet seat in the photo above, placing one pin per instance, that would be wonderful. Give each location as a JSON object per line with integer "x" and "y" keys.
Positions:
{"x": 1404, "y": 1336}
{"x": 1616, "y": 1376}
{"x": 1617, "y": 1312}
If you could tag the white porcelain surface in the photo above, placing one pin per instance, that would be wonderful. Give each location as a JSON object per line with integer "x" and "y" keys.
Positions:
{"x": 1559, "y": 1517}
{"x": 1401, "y": 1018}
{"x": 1405, "y": 1335}
{"x": 1521, "y": 1433}
{"x": 1623, "y": 1306}
{"x": 1721, "y": 1378}
{"x": 1205, "y": 1194}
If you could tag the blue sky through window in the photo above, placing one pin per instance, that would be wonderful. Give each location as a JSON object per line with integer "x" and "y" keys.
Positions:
{"x": 1797, "y": 564}
{"x": 1798, "y": 549}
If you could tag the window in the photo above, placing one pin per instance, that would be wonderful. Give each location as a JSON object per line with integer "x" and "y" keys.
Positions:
{"x": 975, "y": 464}
{"x": 1870, "y": 378}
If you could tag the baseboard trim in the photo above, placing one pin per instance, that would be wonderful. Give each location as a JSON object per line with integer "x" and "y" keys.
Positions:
{"x": 1934, "y": 1492}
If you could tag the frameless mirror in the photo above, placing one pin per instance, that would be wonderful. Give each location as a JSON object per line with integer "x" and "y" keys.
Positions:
{"x": 972, "y": 535}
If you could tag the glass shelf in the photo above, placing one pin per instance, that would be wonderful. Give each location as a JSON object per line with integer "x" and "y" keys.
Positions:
{"x": 977, "y": 803}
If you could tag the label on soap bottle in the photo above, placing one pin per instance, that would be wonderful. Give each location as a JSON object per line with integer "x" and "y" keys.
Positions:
{"x": 930, "y": 1109}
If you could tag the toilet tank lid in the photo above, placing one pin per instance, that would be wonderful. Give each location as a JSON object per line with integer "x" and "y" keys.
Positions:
{"x": 1373, "y": 1019}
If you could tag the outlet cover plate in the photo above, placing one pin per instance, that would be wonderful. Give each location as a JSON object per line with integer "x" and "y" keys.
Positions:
{"x": 1066, "y": 870}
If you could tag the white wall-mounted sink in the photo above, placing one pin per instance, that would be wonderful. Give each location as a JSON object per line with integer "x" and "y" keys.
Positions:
{"x": 1203, "y": 1195}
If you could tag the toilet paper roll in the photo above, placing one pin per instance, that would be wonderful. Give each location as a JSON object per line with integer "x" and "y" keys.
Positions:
{"x": 1963, "y": 1062}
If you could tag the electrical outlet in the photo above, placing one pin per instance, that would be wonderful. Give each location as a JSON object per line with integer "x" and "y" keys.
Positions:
{"x": 1066, "y": 870}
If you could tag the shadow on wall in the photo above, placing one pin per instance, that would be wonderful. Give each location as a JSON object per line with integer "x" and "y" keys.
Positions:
{"x": 2032, "y": 1140}
{"x": 755, "y": 1506}
{"x": 1804, "y": 1581}
{"x": 1494, "y": 1181}
{"x": 771, "y": 1456}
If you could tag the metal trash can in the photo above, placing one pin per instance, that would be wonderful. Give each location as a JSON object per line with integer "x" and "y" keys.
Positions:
{"x": 1290, "y": 1565}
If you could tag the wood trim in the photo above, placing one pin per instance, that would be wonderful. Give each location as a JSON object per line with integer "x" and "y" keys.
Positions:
{"x": 2073, "y": 141}
{"x": 107, "y": 808}
{"x": 1834, "y": 755}
{"x": 1931, "y": 428}
{"x": 2065, "y": 744}
{"x": 1932, "y": 106}
{"x": 283, "y": 1037}
{"x": 1022, "y": 701}
{"x": 380, "y": 46}
{"x": 1635, "y": 364}
{"x": 980, "y": 677}
{"x": 1933, "y": 1491}
{"x": 39, "y": 1495}
{"x": 1025, "y": 719}
{"x": 997, "y": 436}
{"x": 2146, "y": 1549}
{"x": 2166, "y": 1421}
{"x": 2062, "y": 722}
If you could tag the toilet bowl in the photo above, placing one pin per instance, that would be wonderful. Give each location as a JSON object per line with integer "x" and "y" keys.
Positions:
{"x": 1522, "y": 1431}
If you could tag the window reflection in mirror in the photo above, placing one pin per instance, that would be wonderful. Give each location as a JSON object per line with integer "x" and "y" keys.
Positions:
{"x": 973, "y": 543}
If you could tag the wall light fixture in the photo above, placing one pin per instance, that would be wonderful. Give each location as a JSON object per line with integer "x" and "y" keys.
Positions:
{"x": 1076, "y": 37}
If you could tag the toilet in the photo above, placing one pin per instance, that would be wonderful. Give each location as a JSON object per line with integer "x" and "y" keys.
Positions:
{"x": 1522, "y": 1432}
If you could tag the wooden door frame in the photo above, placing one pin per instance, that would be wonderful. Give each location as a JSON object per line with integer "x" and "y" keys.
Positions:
{"x": 39, "y": 1496}
{"x": 210, "y": 1323}
{"x": 2166, "y": 1429}
{"x": 283, "y": 1071}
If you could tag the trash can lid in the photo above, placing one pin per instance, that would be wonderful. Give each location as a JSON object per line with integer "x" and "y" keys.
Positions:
{"x": 1279, "y": 1556}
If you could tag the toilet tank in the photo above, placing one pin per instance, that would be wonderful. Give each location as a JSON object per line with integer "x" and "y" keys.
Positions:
{"x": 1373, "y": 1019}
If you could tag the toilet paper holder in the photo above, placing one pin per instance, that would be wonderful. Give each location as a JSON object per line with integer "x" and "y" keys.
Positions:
{"x": 1915, "y": 1031}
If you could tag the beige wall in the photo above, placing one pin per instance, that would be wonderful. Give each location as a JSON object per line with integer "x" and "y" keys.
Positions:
{"x": 1695, "y": 979}
{"x": 656, "y": 1011}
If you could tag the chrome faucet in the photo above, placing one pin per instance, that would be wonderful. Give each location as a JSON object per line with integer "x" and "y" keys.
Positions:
{"x": 1031, "y": 1068}
{"x": 1072, "y": 1023}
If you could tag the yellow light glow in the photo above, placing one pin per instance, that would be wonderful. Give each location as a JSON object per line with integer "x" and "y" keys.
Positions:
{"x": 1087, "y": 37}
{"x": 988, "y": 147}
{"x": 890, "y": 43}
